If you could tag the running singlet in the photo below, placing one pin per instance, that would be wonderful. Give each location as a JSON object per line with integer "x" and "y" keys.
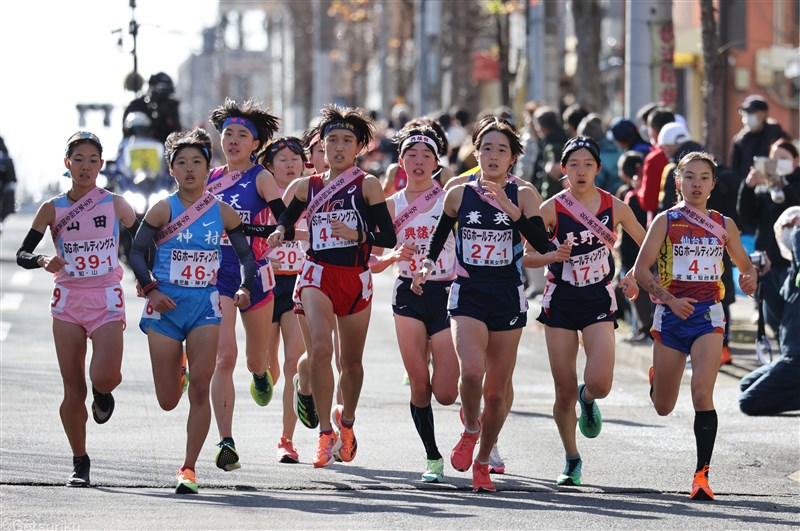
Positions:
{"x": 253, "y": 209}
{"x": 347, "y": 205}
{"x": 488, "y": 247}
{"x": 590, "y": 263}
{"x": 418, "y": 231}
{"x": 290, "y": 254}
{"x": 690, "y": 259}
{"x": 89, "y": 245}
{"x": 400, "y": 179}
{"x": 191, "y": 259}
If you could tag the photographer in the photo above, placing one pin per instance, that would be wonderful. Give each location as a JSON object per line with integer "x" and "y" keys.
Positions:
{"x": 772, "y": 388}
{"x": 772, "y": 186}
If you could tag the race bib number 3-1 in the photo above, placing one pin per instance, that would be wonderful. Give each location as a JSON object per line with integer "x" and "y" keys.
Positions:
{"x": 586, "y": 269}
{"x": 485, "y": 247}
{"x": 696, "y": 263}
{"x": 193, "y": 269}
{"x": 321, "y": 229}
{"x": 90, "y": 258}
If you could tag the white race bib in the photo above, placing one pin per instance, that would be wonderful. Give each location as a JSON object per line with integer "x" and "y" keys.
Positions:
{"x": 267, "y": 276}
{"x": 321, "y": 229}
{"x": 696, "y": 263}
{"x": 443, "y": 267}
{"x": 193, "y": 269}
{"x": 586, "y": 269}
{"x": 290, "y": 256}
{"x": 486, "y": 247}
{"x": 90, "y": 258}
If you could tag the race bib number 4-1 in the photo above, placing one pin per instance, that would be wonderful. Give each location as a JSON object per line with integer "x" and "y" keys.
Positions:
{"x": 193, "y": 269}
{"x": 486, "y": 247}
{"x": 90, "y": 258}
{"x": 696, "y": 263}
{"x": 586, "y": 269}
{"x": 321, "y": 229}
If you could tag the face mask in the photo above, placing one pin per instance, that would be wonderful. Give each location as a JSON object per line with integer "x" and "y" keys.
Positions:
{"x": 784, "y": 166}
{"x": 751, "y": 121}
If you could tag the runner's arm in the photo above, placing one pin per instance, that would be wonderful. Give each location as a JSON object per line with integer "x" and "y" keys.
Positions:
{"x": 245, "y": 254}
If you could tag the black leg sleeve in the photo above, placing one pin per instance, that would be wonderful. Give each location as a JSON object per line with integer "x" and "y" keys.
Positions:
{"x": 534, "y": 231}
{"x": 139, "y": 250}
{"x": 385, "y": 237}
{"x": 25, "y": 256}
{"x": 443, "y": 230}
{"x": 245, "y": 254}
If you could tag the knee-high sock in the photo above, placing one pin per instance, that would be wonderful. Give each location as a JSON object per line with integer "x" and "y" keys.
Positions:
{"x": 705, "y": 433}
{"x": 423, "y": 421}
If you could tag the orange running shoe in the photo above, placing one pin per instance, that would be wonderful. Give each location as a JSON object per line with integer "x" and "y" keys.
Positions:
{"x": 481, "y": 481}
{"x": 186, "y": 482}
{"x": 328, "y": 444}
{"x": 461, "y": 456}
{"x": 650, "y": 377}
{"x": 700, "y": 489}
{"x": 349, "y": 444}
{"x": 726, "y": 359}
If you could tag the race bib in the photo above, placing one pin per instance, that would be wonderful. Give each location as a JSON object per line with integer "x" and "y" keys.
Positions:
{"x": 193, "y": 269}
{"x": 696, "y": 262}
{"x": 290, "y": 256}
{"x": 90, "y": 258}
{"x": 267, "y": 276}
{"x": 486, "y": 247}
{"x": 149, "y": 312}
{"x": 366, "y": 284}
{"x": 443, "y": 267}
{"x": 59, "y": 298}
{"x": 115, "y": 299}
{"x": 311, "y": 276}
{"x": 586, "y": 269}
{"x": 321, "y": 229}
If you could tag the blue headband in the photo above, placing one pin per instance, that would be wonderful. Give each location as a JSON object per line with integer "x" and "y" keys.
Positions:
{"x": 204, "y": 149}
{"x": 241, "y": 121}
{"x": 347, "y": 126}
{"x": 275, "y": 147}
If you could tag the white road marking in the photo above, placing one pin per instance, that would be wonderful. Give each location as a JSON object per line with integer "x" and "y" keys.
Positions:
{"x": 22, "y": 278}
{"x": 10, "y": 302}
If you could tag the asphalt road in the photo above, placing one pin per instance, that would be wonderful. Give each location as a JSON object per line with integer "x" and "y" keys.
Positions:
{"x": 637, "y": 474}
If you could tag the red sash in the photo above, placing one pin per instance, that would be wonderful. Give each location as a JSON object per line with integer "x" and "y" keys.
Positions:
{"x": 187, "y": 217}
{"x": 588, "y": 219}
{"x": 81, "y": 207}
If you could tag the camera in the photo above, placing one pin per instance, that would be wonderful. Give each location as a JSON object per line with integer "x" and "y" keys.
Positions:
{"x": 757, "y": 257}
{"x": 775, "y": 182}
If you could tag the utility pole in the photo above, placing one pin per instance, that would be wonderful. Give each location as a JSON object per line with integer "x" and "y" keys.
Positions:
{"x": 649, "y": 46}
{"x": 535, "y": 55}
{"x": 428, "y": 16}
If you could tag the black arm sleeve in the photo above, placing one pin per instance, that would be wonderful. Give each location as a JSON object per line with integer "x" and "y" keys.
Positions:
{"x": 440, "y": 235}
{"x": 533, "y": 230}
{"x": 245, "y": 254}
{"x": 262, "y": 231}
{"x": 133, "y": 228}
{"x": 290, "y": 216}
{"x": 386, "y": 236}
{"x": 25, "y": 256}
{"x": 138, "y": 258}
{"x": 276, "y": 206}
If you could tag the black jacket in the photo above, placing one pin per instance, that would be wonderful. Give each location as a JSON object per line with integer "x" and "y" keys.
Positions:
{"x": 748, "y": 144}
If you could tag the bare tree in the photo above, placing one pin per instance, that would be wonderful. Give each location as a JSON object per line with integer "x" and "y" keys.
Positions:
{"x": 587, "y": 15}
{"x": 713, "y": 82}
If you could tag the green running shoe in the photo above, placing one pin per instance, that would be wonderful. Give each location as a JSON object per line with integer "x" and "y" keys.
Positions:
{"x": 590, "y": 421}
{"x": 303, "y": 406}
{"x": 261, "y": 389}
{"x": 571, "y": 475}
{"x": 434, "y": 473}
{"x": 227, "y": 456}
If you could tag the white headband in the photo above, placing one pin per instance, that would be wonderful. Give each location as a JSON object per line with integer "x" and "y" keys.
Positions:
{"x": 420, "y": 138}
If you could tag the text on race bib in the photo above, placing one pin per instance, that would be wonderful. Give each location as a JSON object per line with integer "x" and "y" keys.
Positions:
{"x": 586, "y": 269}
{"x": 90, "y": 258}
{"x": 486, "y": 247}
{"x": 321, "y": 235}
{"x": 193, "y": 269}
{"x": 696, "y": 262}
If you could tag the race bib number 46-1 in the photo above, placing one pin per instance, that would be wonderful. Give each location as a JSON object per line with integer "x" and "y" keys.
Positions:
{"x": 321, "y": 229}
{"x": 485, "y": 247}
{"x": 193, "y": 269}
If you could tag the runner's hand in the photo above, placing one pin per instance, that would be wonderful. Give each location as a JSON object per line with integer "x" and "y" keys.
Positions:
{"x": 682, "y": 307}
{"x": 161, "y": 302}
{"x": 242, "y": 298}
{"x": 53, "y": 264}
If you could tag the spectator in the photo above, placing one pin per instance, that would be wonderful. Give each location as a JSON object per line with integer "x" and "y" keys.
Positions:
{"x": 760, "y": 205}
{"x": 547, "y": 169}
{"x": 627, "y": 137}
{"x": 572, "y": 117}
{"x": 608, "y": 178}
{"x": 642, "y": 114}
{"x": 655, "y": 161}
{"x": 530, "y": 142}
{"x": 674, "y": 141}
{"x": 772, "y": 388}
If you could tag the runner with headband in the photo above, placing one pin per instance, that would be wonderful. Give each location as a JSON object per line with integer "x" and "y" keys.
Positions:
{"x": 88, "y": 300}
{"x": 687, "y": 242}
{"x": 182, "y": 300}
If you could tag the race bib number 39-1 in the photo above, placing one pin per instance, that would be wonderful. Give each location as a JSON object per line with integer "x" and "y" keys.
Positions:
{"x": 90, "y": 258}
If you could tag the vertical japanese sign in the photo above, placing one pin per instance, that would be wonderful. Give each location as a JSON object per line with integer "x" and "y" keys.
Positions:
{"x": 662, "y": 65}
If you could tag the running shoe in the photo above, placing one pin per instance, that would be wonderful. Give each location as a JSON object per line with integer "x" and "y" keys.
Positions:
{"x": 461, "y": 456}
{"x": 184, "y": 373}
{"x": 590, "y": 421}
{"x": 727, "y": 359}
{"x": 496, "y": 463}
{"x": 187, "y": 482}
{"x": 328, "y": 444}
{"x": 481, "y": 481}
{"x": 261, "y": 389}
{"x": 227, "y": 456}
{"x": 650, "y": 377}
{"x": 102, "y": 406}
{"x": 434, "y": 472}
{"x": 80, "y": 472}
{"x": 349, "y": 446}
{"x": 700, "y": 489}
{"x": 571, "y": 474}
{"x": 286, "y": 451}
{"x": 303, "y": 406}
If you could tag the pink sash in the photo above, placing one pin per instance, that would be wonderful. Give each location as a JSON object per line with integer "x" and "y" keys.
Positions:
{"x": 342, "y": 180}
{"x": 704, "y": 221}
{"x": 484, "y": 196}
{"x": 417, "y": 207}
{"x": 86, "y": 203}
{"x": 187, "y": 217}
{"x": 588, "y": 219}
{"x": 224, "y": 182}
